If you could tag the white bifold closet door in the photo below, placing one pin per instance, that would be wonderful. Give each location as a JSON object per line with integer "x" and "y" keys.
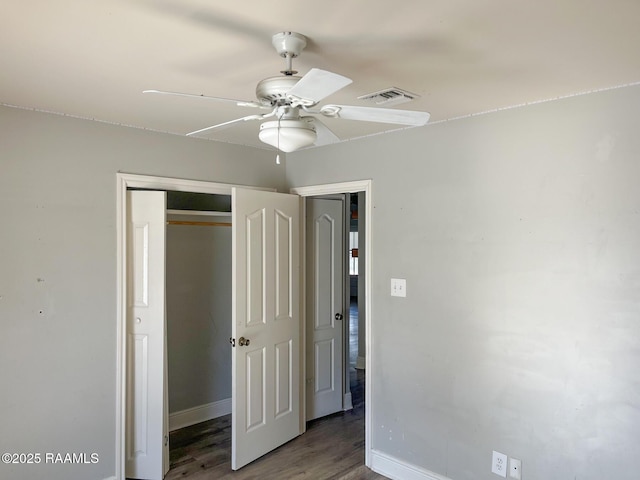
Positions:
{"x": 146, "y": 442}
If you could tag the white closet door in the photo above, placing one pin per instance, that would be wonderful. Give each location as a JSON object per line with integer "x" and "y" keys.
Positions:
{"x": 146, "y": 404}
{"x": 266, "y": 323}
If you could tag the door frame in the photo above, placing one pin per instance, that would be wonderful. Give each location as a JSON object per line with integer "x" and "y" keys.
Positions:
{"x": 341, "y": 188}
{"x": 129, "y": 180}
{"x": 125, "y": 181}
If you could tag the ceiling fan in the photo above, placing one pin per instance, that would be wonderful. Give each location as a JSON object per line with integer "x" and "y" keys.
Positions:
{"x": 291, "y": 101}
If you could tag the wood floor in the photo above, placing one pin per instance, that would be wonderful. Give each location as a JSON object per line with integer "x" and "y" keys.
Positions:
{"x": 331, "y": 448}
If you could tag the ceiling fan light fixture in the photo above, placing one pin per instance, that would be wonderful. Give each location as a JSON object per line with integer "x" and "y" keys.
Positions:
{"x": 290, "y": 96}
{"x": 287, "y": 135}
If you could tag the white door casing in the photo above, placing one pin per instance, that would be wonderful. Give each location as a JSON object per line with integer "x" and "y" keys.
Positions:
{"x": 266, "y": 370}
{"x": 146, "y": 439}
{"x": 325, "y": 306}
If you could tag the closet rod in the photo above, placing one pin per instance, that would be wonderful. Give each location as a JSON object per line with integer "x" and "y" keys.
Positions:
{"x": 207, "y": 213}
{"x": 200, "y": 224}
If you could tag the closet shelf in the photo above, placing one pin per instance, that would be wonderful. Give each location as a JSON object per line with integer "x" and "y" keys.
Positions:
{"x": 199, "y": 224}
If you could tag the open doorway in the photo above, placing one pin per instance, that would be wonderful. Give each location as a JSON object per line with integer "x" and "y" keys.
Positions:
{"x": 335, "y": 300}
{"x": 357, "y": 310}
{"x": 335, "y": 453}
{"x": 361, "y": 192}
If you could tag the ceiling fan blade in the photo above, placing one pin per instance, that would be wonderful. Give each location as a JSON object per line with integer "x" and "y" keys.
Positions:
{"x": 324, "y": 134}
{"x": 316, "y": 85}
{"x": 381, "y": 115}
{"x": 240, "y": 103}
{"x": 227, "y": 124}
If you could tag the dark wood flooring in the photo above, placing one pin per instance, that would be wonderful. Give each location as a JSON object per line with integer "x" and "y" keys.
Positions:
{"x": 331, "y": 448}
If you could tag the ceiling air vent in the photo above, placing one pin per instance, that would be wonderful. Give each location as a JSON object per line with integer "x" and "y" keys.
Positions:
{"x": 389, "y": 96}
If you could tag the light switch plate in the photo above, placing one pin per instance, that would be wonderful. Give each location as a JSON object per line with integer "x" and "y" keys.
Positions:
{"x": 499, "y": 464}
{"x": 398, "y": 287}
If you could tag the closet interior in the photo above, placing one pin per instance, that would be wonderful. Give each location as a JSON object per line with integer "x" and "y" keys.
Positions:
{"x": 198, "y": 296}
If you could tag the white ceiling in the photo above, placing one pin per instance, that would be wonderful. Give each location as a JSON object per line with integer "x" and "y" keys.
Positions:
{"x": 93, "y": 58}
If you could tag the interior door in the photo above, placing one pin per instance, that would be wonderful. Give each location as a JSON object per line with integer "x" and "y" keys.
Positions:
{"x": 146, "y": 393}
{"x": 325, "y": 306}
{"x": 266, "y": 323}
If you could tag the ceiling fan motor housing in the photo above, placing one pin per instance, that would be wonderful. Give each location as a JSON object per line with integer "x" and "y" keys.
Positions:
{"x": 273, "y": 90}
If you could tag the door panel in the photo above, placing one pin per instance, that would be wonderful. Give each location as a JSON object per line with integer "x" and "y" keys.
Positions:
{"x": 146, "y": 402}
{"x": 324, "y": 358}
{"x": 255, "y": 380}
{"x": 266, "y": 405}
{"x": 254, "y": 250}
{"x": 284, "y": 378}
{"x": 326, "y": 229}
{"x": 325, "y": 259}
{"x": 283, "y": 265}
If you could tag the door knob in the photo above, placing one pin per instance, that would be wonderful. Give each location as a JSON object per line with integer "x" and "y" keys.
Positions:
{"x": 243, "y": 342}
{"x": 339, "y": 316}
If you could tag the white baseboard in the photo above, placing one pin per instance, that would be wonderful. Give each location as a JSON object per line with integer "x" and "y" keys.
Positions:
{"x": 360, "y": 363}
{"x": 397, "y": 469}
{"x": 111, "y": 478}
{"x": 202, "y": 413}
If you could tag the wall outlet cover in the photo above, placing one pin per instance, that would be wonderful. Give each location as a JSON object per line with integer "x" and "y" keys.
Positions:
{"x": 515, "y": 469}
{"x": 499, "y": 464}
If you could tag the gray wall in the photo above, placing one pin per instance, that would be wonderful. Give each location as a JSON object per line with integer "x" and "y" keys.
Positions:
{"x": 58, "y": 273}
{"x": 198, "y": 313}
{"x": 518, "y": 233}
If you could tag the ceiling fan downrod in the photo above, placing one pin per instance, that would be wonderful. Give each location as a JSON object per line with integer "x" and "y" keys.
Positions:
{"x": 289, "y": 69}
{"x": 289, "y": 45}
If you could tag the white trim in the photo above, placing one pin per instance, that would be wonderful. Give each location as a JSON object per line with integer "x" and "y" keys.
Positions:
{"x": 303, "y": 317}
{"x": 331, "y": 188}
{"x": 199, "y": 414}
{"x": 354, "y": 187}
{"x": 124, "y": 181}
{"x": 397, "y": 469}
{"x": 110, "y": 478}
{"x": 181, "y": 184}
{"x": 347, "y": 402}
{"x": 121, "y": 316}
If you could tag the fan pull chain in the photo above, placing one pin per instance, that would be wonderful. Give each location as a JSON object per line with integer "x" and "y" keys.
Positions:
{"x": 278, "y": 147}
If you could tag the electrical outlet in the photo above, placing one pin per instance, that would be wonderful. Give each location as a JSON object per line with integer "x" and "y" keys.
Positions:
{"x": 499, "y": 464}
{"x": 398, "y": 287}
{"x": 515, "y": 469}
